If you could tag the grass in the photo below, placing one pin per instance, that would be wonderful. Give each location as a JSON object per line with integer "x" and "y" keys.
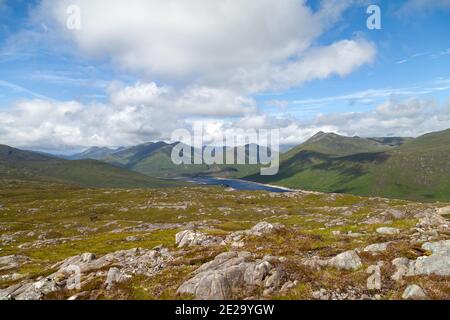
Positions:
{"x": 100, "y": 220}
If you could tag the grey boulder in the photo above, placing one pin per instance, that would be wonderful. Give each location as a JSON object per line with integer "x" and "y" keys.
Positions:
{"x": 229, "y": 271}
{"x": 189, "y": 238}
{"x": 388, "y": 230}
{"x": 348, "y": 260}
{"x": 414, "y": 292}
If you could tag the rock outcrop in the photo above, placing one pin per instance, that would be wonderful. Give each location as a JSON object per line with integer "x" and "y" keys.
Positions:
{"x": 260, "y": 229}
{"x": 76, "y": 271}
{"x": 414, "y": 292}
{"x": 230, "y": 271}
{"x": 263, "y": 228}
{"x": 348, "y": 260}
{"x": 438, "y": 263}
{"x": 189, "y": 238}
{"x": 388, "y": 231}
{"x": 12, "y": 262}
{"x": 115, "y": 275}
{"x": 377, "y": 247}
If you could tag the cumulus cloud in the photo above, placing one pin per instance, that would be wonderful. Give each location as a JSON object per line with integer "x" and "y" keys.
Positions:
{"x": 57, "y": 125}
{"x": 192, "y": 100}
{"x": 203, "y": 59}
{"x": 214, "y": 43}
{"x": 340, "y": 58}
{"x": 54, "y": 125}
{"x": 134, "y": 114}
{"x": 408, "y": 118}
{"x": 405, "y": 118}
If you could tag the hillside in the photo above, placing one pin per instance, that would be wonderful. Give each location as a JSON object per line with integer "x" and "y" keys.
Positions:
{"x": 415, "y": 170}
{"x": 333, "y": 144}
{"x": 17, "y": 164}
{"x": 94, "y": 153}
{"x": 154, "y": 159}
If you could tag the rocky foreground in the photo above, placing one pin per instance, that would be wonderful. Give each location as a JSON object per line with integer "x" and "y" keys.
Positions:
{"x": 211, "y": 243}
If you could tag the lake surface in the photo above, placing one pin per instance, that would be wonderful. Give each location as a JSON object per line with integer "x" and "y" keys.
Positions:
{"x": 235, "y": 184}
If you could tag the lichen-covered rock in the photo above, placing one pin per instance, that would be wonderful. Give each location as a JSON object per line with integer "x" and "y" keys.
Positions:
{"x": 12, "y": 262}
{"x": 115, "y": 275}
{"x": 275, "y": 280}
{"x": 264, "y": 228}
{"x": 402, "y": 268}
{"x": 228, "y": 271}
{"x": 414, "y": 292}
{"x": 87, "y": 266}
{"x": 348, "y": 260}
{"x": 388, "y": 230}
{"x": 260, "y": 229}
{"x": 188, "y": 238}
{"x": 437, "y": 263}
{"x": 443, "y": 211}
{"x": 377, "y": 247}
{"x": 255, "y": 273}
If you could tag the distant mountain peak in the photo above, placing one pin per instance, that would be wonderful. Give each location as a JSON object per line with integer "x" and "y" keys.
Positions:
{"x": 318, "y": 134}
{"x": 322, "y": 135}
{"x": 95, "y": 148}
{"x": 94, "y": 152}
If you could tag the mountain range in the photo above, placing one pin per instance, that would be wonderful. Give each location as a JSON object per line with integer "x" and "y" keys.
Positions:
{"x": 394, "y": 167}
{"x": 154, "y": 159}
{"x": 405, "y": 168}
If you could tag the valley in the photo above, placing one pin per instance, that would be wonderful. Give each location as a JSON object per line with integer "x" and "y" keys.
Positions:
{"x": 101, "y": 229}
{"x": 399, "y": 168}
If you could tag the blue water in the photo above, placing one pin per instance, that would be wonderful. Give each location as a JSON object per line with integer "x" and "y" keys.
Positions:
{"x": 234, "y": 183}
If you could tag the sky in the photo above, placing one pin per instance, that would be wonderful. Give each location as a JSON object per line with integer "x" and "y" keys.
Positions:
{"x": 135, "y": 71}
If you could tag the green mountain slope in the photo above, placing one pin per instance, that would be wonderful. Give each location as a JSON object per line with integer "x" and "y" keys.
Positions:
{"x": 94, "y": 153}
{"x": 154, "y": 160}
{"x": 417, "y": 169}
{"x": 26, "y": 165}
{"x": 333, "y": 144}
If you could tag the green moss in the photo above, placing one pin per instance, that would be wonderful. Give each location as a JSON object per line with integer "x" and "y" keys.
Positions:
{"x": 101, "y": 244}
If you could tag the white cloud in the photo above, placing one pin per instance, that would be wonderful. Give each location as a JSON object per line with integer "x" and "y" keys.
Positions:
{"x": 59, "y": 125}
{"x": 411, "y": 117}
{"x": 192, "y": 100}
{"x": 214, "y": 43}
{"x": 197, "y": 58}
{"x": 213, "y": 102}
{"x": 340, "y": 58}
{"x": 203, "y": 59}
{"x": 134, "y": 114}
{"x": 406, "y": 118}
{"x": 141, "y": 93}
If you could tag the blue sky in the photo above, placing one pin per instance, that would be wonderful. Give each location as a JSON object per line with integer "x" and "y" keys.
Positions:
{"x": 407, "y": 64}
{"x": 410, "y": 55}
